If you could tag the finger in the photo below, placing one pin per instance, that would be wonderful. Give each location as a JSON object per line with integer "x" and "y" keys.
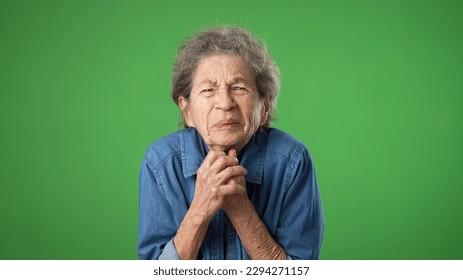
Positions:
{"x": 223, "y": 162}
{"x": 240, "y": 180}
{"x": 211, "y": 157}
{"x": 230, "y": 172}
{"x": 232, "y": 153}
{"x": 230, "y": 189}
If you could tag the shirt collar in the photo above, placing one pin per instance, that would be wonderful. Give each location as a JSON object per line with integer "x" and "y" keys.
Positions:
{"x": 251, "y": 157}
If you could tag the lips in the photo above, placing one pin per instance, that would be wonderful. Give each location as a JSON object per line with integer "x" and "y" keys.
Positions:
{"x": 226, "y": 123}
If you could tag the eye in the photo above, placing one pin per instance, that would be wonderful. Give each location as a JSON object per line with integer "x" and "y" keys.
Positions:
{"x": 207, "y": 92}
{"x": 239, "y": 89}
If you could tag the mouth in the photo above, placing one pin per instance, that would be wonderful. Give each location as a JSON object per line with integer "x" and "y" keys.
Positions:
{"x": 226, "y": 123}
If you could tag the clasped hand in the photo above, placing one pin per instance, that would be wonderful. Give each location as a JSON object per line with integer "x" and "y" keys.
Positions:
{"x": 220, "y": 184}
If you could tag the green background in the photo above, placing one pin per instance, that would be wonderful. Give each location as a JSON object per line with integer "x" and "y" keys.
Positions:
{"x": 374, "y": 89}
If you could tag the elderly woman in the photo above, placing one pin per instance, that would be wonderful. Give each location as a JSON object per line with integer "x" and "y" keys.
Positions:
{"x": 228, "y": 186}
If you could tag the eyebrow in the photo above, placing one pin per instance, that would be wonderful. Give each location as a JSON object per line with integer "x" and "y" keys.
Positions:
{"x": 239, "y": 79}
{"x": 234, "y": 80}
{"x": 207, "y": 81}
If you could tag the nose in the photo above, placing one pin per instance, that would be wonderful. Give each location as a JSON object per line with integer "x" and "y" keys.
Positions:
{"x": 224, "y": 99}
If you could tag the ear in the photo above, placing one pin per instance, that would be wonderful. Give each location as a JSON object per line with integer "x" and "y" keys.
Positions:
{"x": 264, "y": 112}
{"x": 183, "y": 103}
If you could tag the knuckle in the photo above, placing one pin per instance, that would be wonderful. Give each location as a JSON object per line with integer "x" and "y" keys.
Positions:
{"x": 203, "y": 176}
{"x": 221, "y": 161}
{"x": 210, "y": 154}
{"x": 229, "y": 171}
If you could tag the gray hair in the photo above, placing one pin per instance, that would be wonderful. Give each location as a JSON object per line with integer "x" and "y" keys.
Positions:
{"x": 227, "y": 40}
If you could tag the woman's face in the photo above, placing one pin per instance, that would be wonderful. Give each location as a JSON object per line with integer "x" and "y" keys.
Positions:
{"x": 224, "y": 105}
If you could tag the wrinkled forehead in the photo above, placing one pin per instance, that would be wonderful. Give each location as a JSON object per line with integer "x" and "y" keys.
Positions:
{"x": 215, "y": 69}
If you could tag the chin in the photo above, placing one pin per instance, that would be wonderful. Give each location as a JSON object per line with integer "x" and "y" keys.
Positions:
{"x": 229, "y": 141}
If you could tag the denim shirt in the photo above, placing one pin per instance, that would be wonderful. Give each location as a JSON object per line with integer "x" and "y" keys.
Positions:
{"x": 281, "y": 185}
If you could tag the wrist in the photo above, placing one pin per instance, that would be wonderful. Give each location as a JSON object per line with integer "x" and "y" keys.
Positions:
{"x": 201, "y": 210}
{"x": 238, "y": 207}
{"x": 190, "y": 234}
{"x": 199, "y": 216}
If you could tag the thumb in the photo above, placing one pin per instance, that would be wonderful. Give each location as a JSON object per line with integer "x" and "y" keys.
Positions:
{"x": 232, "y": 153}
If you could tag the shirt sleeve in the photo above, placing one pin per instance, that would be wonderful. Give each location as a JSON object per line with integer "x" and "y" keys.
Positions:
{"x": 156, "y": 228}
{"x": 169, "y": 252}
{"x": 301, "y": 223}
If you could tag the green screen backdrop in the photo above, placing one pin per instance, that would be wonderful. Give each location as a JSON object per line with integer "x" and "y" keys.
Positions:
{"x": 373, "y": 88}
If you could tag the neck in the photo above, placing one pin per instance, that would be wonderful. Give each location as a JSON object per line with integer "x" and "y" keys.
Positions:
{"x": 225, "y": 149}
